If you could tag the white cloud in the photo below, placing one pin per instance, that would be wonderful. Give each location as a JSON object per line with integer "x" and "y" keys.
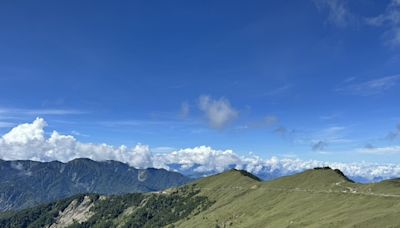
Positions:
{"x": 390, "y": 19}
{"x": 338, "y": 13}
{"x": 201, "y": 159}
{"x": 29, "y": 141}
{"x": 32, "y": 112}
{"x": 371, "y": 87}
{"x": 24, "y": 133}
{"x": 218, "y": 112}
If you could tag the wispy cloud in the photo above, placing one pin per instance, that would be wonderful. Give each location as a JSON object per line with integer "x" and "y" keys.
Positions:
{"x": 330, "y": 117}
{"x": 281, "y": 130}
{"x": 337, "y": 10}
{"x": 320, "y": 139}
{"x": 279, "y": 90}
{"x": 77, "y": 133}
{"x": 218, "y": 112}
{"x": 34, "y": 112}
{"x": 141, "y": 123}
{"x": 393, "y": 135}
{"x": 379, "y": 150}
{"x": 371, "y": 87}
{"x": 265, "y": 122}
{"x": 390, "y": 19}
{"x": 4, "y": 124}
{"x": 185, "y": 110}
{"x": 319, "y": 146}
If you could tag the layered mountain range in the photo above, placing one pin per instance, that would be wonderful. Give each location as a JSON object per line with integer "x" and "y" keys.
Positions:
{"x": 29, "y": 183}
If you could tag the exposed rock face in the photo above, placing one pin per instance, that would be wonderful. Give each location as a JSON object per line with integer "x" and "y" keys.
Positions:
{"x": 75, "y": 213}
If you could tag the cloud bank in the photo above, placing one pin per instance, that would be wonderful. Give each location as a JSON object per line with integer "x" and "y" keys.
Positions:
{"x": 29, "y": 141}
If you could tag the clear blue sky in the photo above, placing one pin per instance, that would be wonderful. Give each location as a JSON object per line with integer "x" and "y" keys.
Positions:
{"x": 308, "y": 79}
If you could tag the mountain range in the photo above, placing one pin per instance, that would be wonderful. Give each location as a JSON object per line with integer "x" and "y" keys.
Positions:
{"x": 321, "y": 197}
{"x": 27, "y": 183}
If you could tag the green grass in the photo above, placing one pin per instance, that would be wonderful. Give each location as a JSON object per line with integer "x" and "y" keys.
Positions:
{"x": 314, "y": 198}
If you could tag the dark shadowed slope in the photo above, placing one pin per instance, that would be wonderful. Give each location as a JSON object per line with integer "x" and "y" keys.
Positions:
{"x": 28, "y": 183}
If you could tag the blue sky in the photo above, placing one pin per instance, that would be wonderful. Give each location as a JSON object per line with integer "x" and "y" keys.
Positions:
{"x": 307, "y": 79}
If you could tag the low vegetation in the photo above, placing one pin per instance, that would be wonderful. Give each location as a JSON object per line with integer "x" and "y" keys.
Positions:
{"x": 130, "y": 210}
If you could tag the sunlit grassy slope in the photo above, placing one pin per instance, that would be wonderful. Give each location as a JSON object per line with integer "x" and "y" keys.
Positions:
{"x": 314, "y": 198}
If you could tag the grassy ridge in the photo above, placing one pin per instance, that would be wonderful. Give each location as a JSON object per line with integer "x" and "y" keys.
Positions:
{"x": 314, "y": 198}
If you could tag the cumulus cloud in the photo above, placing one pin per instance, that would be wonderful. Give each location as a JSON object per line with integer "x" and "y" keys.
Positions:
{"x": 390, "y": 19}
{"x": 24, "y": 133}
{"x": 29, "y": 141}
{"x": 338, "y": 12}
{"x": 218, "y": 112}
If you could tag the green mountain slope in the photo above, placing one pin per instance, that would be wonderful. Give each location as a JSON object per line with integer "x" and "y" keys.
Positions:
{"x": 29, "y": 183}
{"x": 314, "y": 198}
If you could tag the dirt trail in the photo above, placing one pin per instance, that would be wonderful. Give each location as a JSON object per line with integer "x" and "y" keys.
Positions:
{"x": 347, "y": 190}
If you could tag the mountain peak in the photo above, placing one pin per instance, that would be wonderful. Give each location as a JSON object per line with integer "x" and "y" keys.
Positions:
{"x": 337, "y": 171}
{"x": 317, "y": 178}
{"x": 229, "y": 179}
{"x": 245, "y": 173}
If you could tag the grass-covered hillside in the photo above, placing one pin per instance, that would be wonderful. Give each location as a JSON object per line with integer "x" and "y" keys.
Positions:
{"x": 315, "y": 198}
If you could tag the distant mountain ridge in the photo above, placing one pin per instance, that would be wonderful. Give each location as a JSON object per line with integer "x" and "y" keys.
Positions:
{"x": 25, "y": 183}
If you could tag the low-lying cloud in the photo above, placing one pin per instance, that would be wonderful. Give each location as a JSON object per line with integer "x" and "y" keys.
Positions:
{"x": 29, "y": 141}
